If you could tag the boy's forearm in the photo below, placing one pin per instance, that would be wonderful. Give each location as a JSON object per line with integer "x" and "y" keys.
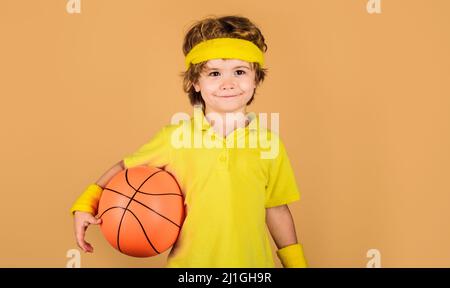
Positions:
{"x": 106, "y": 177}
{"x": 281, "y": 226}
{"x": 88, "y": 200}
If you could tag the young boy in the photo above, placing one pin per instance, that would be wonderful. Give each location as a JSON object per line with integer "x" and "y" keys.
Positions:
{"x": 231, "y": 193}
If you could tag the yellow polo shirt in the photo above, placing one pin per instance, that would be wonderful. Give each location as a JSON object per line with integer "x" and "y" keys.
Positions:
{"x": 226, "y": 189}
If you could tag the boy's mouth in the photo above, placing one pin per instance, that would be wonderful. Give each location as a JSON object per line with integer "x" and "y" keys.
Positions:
{"x": 229, "y": 96}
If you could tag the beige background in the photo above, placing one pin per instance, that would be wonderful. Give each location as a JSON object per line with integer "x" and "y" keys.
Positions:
{"x": 363, "y": 102}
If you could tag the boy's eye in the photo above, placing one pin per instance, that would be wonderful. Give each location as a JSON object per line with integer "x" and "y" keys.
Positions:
{"x": 214, "y": 73}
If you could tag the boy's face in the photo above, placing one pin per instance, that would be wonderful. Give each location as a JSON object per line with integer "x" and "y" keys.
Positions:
{"x": 226, "y": 85}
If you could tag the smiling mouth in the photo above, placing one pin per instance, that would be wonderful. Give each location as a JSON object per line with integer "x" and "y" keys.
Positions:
{"x": 229, "y": 96}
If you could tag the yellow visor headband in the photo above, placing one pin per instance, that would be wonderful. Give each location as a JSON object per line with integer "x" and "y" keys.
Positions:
{"x": 225, "y": 48}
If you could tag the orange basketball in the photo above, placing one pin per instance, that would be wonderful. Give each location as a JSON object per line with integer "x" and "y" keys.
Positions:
{"x": 142, "y": 211}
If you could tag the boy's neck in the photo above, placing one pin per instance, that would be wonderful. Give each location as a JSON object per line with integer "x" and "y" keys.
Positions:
{"x": 228, "y": 121}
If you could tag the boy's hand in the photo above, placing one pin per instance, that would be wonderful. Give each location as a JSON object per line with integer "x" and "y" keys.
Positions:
{"x": 81, "y": 221}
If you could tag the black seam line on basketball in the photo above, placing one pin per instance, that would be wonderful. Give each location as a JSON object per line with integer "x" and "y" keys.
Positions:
{"x": 142, "y": 184}
{"x": 155, "y": 194}
{"x": 121, "y": 219}
{"x": 176, "y": 182}
{"x": 133, "y": 199}
{"x": 142, "y": 227}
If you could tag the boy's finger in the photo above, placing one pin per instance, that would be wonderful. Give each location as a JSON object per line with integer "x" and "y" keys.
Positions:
{"x": 80, "y": 241}
{"x": 80, "y": 233}
{"x": 95, "y": 221}
{"x": 88, "y": 248}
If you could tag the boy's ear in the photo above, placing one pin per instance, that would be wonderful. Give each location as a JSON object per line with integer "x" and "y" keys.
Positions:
{"x": 196, "y": 87}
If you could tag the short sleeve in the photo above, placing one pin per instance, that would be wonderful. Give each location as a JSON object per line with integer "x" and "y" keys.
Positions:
{"x": 156, "y": 152}
{"x": 281, "y": 187}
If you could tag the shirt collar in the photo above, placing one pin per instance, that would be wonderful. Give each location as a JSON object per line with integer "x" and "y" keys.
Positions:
{"x": 201, "y": 123}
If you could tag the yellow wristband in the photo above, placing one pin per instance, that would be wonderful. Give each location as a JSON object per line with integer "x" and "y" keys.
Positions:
{"x": 292, "y": 256}
{"x": 88, "y": 201}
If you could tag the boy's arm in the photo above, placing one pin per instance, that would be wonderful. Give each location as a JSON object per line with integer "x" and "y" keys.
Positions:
{"x": 104, "y": 179}
{"x": 281, "y": 226}
{"x": 88, "y": 201}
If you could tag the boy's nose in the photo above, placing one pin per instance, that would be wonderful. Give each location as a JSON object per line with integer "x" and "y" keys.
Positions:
{"x": 228, "y": 84}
